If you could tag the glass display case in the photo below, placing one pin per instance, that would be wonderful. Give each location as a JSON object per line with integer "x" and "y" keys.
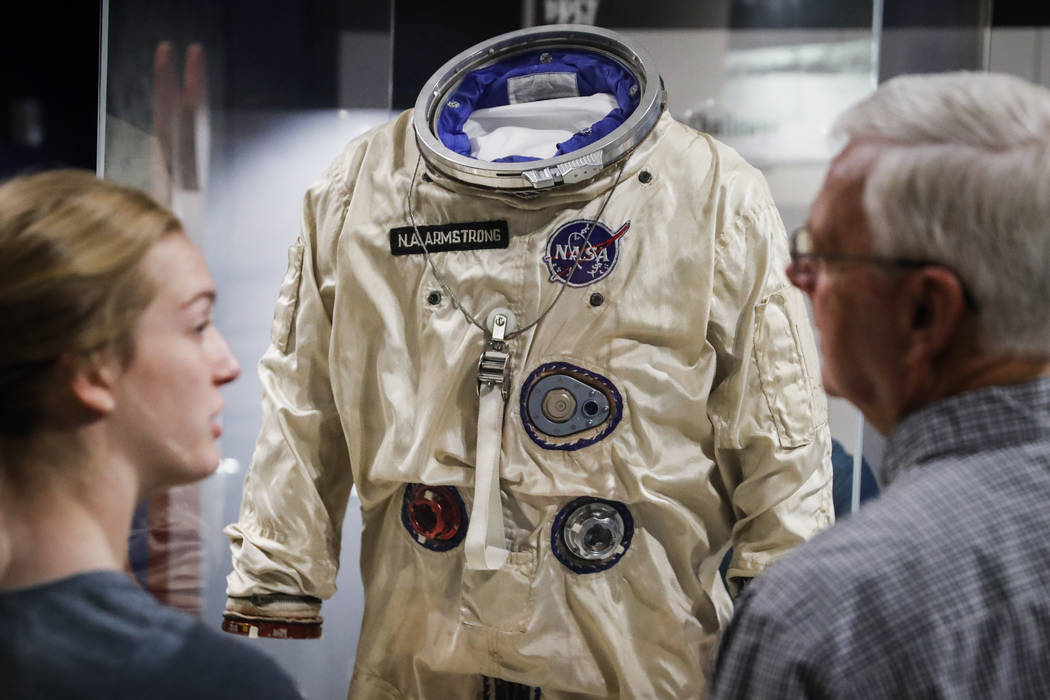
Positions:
{"x": 227, "y": 111}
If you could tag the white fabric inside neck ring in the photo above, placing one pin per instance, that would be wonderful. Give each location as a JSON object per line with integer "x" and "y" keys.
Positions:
{"x": 533, "y": 128}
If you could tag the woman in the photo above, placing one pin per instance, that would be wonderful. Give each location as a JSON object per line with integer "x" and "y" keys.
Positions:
{"x": 110, "y": 369}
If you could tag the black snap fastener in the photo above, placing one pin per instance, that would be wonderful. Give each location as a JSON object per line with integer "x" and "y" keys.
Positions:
{"x": 590, "y": 408}
{"x": 597, "y": 299}
{"x": 645, "y": 177}
{"x": 426, "y": 177}
{"x": 434, "y": 298}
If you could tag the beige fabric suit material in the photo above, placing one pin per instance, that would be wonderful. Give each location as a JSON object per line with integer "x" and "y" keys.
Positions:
{"x": 723, "y": 437}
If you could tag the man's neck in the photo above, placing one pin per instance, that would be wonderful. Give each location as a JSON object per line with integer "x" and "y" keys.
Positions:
{"x": 980, "y": 372}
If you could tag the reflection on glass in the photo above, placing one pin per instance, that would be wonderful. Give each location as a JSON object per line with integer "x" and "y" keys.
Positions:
{"x": 778, "y": 103}
{"x": 227, "y": 116}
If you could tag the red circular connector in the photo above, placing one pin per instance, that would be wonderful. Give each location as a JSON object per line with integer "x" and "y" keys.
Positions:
{"x": 435, "y": 512}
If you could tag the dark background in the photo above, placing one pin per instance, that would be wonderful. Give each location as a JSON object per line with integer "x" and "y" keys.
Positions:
{"x": 281, "y": 54}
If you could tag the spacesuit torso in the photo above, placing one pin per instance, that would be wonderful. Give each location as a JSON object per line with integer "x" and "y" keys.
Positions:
{"x": 666, "y": 407}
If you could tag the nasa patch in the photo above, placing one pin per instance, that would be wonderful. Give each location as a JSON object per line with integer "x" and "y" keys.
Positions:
{"x": 598, "y": 251}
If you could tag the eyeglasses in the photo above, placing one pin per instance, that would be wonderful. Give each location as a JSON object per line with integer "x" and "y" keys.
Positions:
{"x": 805, "y": 264}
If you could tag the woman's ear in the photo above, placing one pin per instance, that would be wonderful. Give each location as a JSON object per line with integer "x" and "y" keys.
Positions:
{"x": 91, "y": 381}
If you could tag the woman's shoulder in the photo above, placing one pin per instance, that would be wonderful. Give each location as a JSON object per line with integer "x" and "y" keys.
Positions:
{"x": 220, "y": 662}
{"x": 114, "y": 633}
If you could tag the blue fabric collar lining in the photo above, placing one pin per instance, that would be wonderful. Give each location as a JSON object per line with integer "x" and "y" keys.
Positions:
{"x": 487, "y": 87}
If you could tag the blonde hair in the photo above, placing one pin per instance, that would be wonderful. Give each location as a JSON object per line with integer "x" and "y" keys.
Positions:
{"x": 70, "y": 248}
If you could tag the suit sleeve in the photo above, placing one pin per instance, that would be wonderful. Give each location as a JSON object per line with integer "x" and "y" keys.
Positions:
{"x": 287, "y": 537}
{"x": 768, "y": 410}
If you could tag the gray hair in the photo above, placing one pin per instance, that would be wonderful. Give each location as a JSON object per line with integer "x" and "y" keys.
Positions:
{"x": 963, "y": 178}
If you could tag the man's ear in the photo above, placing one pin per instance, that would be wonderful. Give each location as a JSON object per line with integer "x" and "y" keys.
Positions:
{"x": 937, "y": 306}
{"x": 92, "y": 381}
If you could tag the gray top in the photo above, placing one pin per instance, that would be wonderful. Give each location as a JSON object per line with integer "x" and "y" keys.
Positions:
{"x": 939, "y": 588}
{"x": 97, "y": 635}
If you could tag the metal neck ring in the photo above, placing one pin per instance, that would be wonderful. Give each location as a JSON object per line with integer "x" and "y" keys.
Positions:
{"x": 578, "y": 166}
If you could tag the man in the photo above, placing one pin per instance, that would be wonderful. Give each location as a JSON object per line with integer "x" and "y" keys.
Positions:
{"x": 926, "y": 257}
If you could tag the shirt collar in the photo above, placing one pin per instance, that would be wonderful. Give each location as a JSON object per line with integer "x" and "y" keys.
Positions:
{"x": 966, "y": 423}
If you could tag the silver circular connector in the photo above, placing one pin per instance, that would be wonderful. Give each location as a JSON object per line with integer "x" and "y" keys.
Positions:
{"x": 594, "y": 532}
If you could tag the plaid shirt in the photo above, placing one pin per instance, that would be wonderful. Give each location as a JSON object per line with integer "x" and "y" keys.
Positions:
{"x": 940, "y": 588}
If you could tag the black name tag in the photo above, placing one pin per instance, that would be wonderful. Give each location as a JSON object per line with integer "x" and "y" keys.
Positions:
{"x": 471, "y": 235}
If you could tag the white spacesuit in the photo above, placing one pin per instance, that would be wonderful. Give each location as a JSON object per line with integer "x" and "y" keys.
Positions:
{"x": 648, "y": 397}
